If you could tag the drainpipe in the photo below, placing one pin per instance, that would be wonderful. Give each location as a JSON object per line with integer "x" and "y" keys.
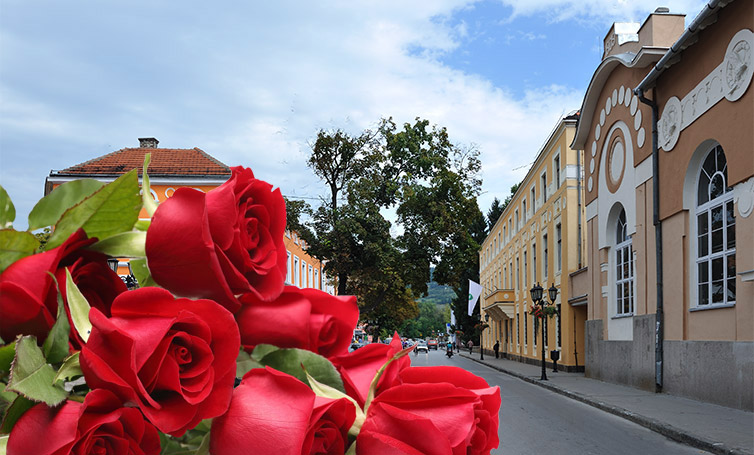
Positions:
{"x": 578, "y": 200}
{"x": 660, "y": 322}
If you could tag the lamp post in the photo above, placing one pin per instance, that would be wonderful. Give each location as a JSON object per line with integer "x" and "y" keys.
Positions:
{"x": 481, "y": 335}
{"x": 536, "y": 297}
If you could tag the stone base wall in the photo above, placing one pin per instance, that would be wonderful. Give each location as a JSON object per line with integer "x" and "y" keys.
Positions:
{"x": 719, "y": 372}
{"x": 623, "y": 362}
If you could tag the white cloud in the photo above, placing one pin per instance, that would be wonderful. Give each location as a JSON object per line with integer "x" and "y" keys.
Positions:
{"x": 599, "y": 10}
{"x": 250, "y": 85}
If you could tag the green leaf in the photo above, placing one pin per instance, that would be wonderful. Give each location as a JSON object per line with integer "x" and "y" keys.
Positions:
{"x": 15, "y": 245}
{"x": 14, "y": 412}
{"x": 142, "y": 225}
{"x": 141, "y": 273}
{"x": 204, "y": 446}
{"x": 351, "y": 450}
{"x": 244, "y": 364}
{"x": 324, "y": 390}
{"x": 262, "y": 350}
{"x": 112, "y": 209}
{"x": 78, "y": 306}
{"x": 7, "y": 210}
{"x": 31, "y": 376}
{"x": 146, "y": 195}
{"x": 7, "y": 353}
{"x": 124, "y": 245}
{"x": 293, "y": 362}
{"x": 70, "y": 369}
{"x": 50, "y": 208}
{"x": 55, "y": 347}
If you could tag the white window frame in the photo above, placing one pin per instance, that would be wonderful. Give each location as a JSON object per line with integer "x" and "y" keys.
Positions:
{"x": 303, "y": 274}
{"x": 545, "y": 257}
{"x": 543, "y": 183}
{"x": 296, "y": 271}
{"x": 556, "y": 170}
{"x": 309, "y": 277}
{"x": 288, "y": 268}
{"x": 316, "y": 279}
{"x": 724, "y": 202}
{"x": 533, "y": 200}
{"x": 559, "y": 247}
{"x": 624, "y": 268}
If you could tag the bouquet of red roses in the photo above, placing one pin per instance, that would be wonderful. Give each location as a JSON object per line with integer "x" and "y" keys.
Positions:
{"x": 213, "y": 353}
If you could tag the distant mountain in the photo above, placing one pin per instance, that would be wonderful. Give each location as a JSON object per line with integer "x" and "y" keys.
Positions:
{"x": 438, "y": 294}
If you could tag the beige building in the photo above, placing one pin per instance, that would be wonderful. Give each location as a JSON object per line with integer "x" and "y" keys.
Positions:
{"x": 667, "y": 125}
{"x": 538, "y": 239}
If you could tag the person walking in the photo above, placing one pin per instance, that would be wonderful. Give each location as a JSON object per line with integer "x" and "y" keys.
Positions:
{"x": 496, "y": 348}
{"x": 470, "y": 344}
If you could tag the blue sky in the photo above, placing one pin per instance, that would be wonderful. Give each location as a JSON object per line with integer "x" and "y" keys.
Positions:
{"x": 251, "y": 83}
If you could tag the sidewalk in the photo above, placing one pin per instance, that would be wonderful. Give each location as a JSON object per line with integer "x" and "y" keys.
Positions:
{"x": 709, "y": 427}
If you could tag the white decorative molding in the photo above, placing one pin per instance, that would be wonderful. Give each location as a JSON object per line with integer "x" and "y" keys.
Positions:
{"x": 591, "y": 209}
{"x": 744, "y": 197}
{"x": 643, "y": 172}
{"x": 604, "y": 291}
{"x": 729, "y": 80}
{"x": 604, "y": 267}
{"x": 747, "y": 276}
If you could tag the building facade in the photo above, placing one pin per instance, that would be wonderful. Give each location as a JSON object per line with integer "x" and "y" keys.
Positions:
{"x": 171, "y": 169}
{"x": 667, "y": 126}
{"x": 304, "y": 271}
{"x": 538, "y": 239}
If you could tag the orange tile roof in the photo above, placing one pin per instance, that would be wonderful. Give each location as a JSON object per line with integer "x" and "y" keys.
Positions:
{"x": 165, "y": 162}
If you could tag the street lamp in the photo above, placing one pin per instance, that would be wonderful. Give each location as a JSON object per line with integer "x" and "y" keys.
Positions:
{"x": 536, "y": 297}
{"x": 481, "y": 336}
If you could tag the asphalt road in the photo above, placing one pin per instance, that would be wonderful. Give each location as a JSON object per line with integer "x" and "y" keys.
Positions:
{"x": 534, "y": 420}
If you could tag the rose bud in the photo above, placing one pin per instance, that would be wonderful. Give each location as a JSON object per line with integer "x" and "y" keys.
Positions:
{"x": 100, "y": 425}
{"x": 273, "y": 412}
{"x": 29, "y": 298}
{"x": 300, "y": 318}
{"x": 173, "y": 358}
{"x": 221, "y": 244}
{"x": 447, "y": 409}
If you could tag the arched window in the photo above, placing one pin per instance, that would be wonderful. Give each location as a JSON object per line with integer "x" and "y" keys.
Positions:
{"x": 624, "y": 268}
{"x": 716, "y": 233}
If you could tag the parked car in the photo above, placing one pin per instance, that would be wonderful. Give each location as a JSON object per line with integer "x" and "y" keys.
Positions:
{"x": 358, "y": 344}
{"x": 421, "y": 346}
{"x": 432, "y": 344}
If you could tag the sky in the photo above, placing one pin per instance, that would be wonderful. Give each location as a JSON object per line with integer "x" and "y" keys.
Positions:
{"x": 251, "y": 83}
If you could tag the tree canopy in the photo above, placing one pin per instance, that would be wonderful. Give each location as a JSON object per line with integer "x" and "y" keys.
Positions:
{"x": 429, "y": 182}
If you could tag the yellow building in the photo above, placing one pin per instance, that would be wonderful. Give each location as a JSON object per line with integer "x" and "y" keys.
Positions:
{"x": 539, "y": 239}
{"x": 304, "y": 271}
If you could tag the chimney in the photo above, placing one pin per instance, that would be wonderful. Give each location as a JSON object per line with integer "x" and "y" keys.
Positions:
{"x": 148, "y": 142}
{"x": 622, "y": 37}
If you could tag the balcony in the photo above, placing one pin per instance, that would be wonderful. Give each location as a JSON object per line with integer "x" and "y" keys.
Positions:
{"x": 500, "y": 304}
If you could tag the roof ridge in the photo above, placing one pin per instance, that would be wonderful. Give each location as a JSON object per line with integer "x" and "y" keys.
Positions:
{"x": 212, "y": 158}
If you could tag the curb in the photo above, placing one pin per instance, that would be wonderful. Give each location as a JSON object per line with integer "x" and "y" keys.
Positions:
{"x": 655, "y": 425}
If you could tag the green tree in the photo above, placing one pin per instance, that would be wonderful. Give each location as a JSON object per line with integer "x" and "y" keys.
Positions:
{"x": 417, "y": 171}
{"x": 496, "y": 209}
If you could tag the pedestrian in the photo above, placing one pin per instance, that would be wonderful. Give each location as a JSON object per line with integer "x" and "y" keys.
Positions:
{"x": 496, "y": 348}
{"x": 470, "y": 344}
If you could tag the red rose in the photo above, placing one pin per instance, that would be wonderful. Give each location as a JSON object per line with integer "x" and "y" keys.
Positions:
{"x": 218, "y": 245}
{"x": 272, "y": 412}
{"x": 28, "y": 296}
{"x": 100, "y": 425}
{"x": 174, "y": 358}
{"x": 299, "y": 318}
{"x": 432, "y": 410}
{"x": 359, "y": 367}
